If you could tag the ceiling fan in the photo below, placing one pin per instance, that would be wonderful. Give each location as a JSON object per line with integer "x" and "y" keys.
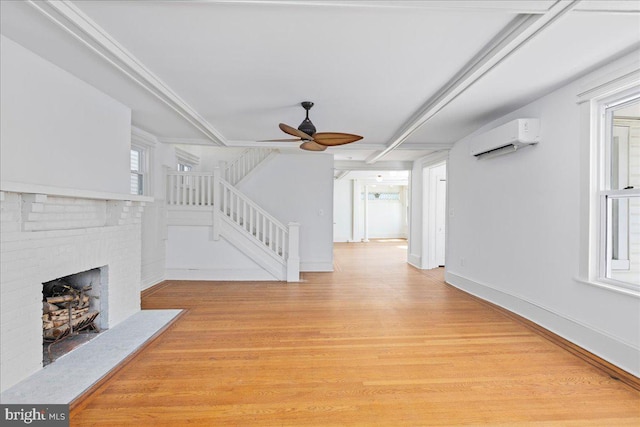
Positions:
{"x": 312, "y": 140}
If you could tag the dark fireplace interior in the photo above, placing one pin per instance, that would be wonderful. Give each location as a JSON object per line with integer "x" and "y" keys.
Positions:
{"x": 70, "y": 309}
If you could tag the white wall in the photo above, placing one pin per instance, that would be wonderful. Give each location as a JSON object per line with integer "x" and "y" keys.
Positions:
{"x": 58, "y": 131}
{"x": 513, "y": 235}
{"x": 193, "y": 255}
{"x": 154, "y": 218}
{"x": 299, "y": 188}
{"x": 60, "y": 138}
{"x": 386, "y": 219}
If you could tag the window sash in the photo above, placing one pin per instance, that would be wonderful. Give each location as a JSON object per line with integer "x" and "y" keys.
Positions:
{"x": 614, "y": 260}
{"x": 138, "y": 171}
{"x": 615, "y": 263}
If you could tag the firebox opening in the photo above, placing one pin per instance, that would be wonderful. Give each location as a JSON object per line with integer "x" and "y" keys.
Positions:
{"x": 72, "y": 311}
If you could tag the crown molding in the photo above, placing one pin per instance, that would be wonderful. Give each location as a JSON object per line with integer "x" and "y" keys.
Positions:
{"x": 71, "y": 19}
{"x": 615, "y": 77}
{"x": 142, "y": 137}
{"x": 186, "y": 141}
{"x": 512, "y": 38}
{"x": 433, "y": 158}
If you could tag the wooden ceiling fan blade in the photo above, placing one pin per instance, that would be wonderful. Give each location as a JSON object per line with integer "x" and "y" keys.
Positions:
{"x": 335, "y": 138}
{"x": 295, "y": 132}
{"x": 312, "y": 146}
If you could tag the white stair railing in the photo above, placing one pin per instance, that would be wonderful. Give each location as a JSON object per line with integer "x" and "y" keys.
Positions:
{"x": 211, "y": 191}
{"x": 254, "y": 220}
{"x": 240, "y": 167}
{"x": 189, "y": 188}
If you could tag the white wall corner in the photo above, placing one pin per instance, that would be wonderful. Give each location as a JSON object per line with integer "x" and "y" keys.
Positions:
{"x": 415, "y": 260}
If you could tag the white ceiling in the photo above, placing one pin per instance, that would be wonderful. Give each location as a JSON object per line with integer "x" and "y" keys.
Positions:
{"x": 412, "y": 77}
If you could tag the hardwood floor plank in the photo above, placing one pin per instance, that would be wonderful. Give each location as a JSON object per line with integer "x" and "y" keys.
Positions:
{"x": 376, "y": 342}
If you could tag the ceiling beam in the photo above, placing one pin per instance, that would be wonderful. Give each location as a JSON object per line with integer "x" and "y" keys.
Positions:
{"x": 355, "y": 165}
{"x": 509, "y": 6}
{"x": 71, "y": 19}
{"x": 520, "y": 30}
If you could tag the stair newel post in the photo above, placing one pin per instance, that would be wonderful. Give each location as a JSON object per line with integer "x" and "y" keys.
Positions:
{"x": 293, "y": 256}
{"x": 224, "y": 168}
{"x": 168, "y": 185}
{"x": 217, "y": 200}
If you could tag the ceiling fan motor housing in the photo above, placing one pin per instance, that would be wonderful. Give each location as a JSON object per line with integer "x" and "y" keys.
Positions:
{"x": 306, "y": 126}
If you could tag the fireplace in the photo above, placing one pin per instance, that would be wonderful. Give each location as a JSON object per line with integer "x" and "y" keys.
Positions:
{"x": 72, "y": 310}
{"x": 48, "y": 237}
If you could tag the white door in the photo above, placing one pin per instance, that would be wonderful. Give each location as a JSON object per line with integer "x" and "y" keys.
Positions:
{"x": 441, "y": 209}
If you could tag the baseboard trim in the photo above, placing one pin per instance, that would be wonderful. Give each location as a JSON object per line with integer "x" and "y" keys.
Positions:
{"x": 316, "y": 266}
{"x": 415, "y": 260}
{"x": 153, "y": 289}
{"x": 474, "y": 290}
{"x": 219, "y": 275}
{"x": 150, "y": 282}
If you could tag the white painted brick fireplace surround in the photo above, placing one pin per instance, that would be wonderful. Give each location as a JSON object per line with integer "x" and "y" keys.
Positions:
{"x": 44, "y": 237}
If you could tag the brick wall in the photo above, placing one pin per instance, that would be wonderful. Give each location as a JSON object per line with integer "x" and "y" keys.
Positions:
{"x": 45, "y": 237}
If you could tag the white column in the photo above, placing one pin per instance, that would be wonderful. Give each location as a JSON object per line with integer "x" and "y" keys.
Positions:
{"x": 293, "y": 257}
{"x": 217, "y": 193}
{"x": 223, "y": 168}
{"x": 355, "y": 210}
{"x": 366, "y": 214}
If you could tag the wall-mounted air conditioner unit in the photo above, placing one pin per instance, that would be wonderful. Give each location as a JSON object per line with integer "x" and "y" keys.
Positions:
{"x": 506, "y": 138}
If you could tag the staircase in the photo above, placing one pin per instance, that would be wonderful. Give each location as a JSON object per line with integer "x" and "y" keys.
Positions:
{"x": 212, "y": 199}
{"x": 237, "y": 170}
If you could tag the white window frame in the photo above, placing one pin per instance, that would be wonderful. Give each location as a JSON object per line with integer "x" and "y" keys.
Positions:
{"x": 185, "y": 162}
{"x": 615, "y": 85}
{"x": 184, "y": 167}
{"x": 606, "y": 194}
{"x": 141, "y": 172}
{"x": 145, "y": 143}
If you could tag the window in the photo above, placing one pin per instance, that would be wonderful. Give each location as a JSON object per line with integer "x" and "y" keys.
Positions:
{"x": 377, "y": 195}
{"x": 137, "y": 170}
{"x": 609, "y": 150}
{"x": 185, "y": 180}
{"x": 619, "y": 192}
{"x": 185, "y": 160}
{"x": 142, "y": 159}
{"x": 183, "y": 167}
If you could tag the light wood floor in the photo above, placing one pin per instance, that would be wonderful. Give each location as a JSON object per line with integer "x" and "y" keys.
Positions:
{"x": 376, "y": 343}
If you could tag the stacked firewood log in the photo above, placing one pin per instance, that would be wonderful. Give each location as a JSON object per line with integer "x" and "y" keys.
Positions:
{"x": 66, "y": 311}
